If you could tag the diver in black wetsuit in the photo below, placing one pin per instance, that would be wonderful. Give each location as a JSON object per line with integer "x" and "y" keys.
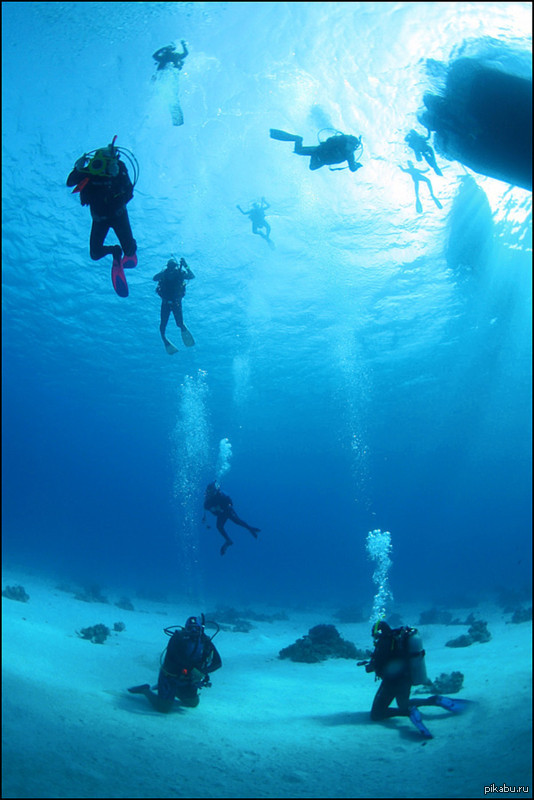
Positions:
{"x": 168, "y": 55}
{"x": 170, "y": 64}
{"x": 171, "y": 289}
{"x": 105, "y": 186}
{"x": 399, "y": 666}
{"x": 422, "y": 149}
{"x": 190, "y": 657}
{"x": 334, "y": 150}
{"x": 220, "y": 505}
{"x": 257, "y": 216}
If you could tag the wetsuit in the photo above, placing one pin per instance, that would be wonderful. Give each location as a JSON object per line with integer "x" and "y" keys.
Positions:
{"x": 107, "y": 197}
{"x": 334, "y": 150}
{"x": 188, "y": 661}
{"x": 391, "y": 663}
{"x": 257, "y": 216}
{"x": 171, "y": 289}
{"x": 189, "y": 658}
{"x": 220, "y": 505}
{"x": 422, "y": 149}
{"x": 168, "y": 55}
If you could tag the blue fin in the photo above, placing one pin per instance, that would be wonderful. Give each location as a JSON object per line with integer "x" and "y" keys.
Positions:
{"x": 282, "y": 136}
{"x": 451, "y": 704}
{"x": 417, "y": 720}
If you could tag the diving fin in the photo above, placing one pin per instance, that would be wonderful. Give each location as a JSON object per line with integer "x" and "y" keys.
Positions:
{"x": 187, "y": 337}
{"x": 417, "y": 720}
{"x": 129, "y": 262}
{"x": 282, "y": 136}
{"x": 177, "y": 114}
{"x": 170, "y": 348}
{"x": 454, "y": 704}
{"x": 118, "y": 278}
{"x": 225, "y": 547}
{"x": 141, "y": 689}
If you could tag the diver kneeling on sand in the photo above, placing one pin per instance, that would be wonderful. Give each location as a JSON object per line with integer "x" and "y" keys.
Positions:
{"x": 399, "y": 661}
{"x": 186, "y": 663}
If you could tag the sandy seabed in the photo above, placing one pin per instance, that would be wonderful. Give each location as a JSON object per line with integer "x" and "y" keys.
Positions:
{"x": 266, "y": 728}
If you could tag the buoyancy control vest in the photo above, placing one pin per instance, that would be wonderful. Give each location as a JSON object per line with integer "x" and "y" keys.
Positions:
{"x": 401, "y": 653}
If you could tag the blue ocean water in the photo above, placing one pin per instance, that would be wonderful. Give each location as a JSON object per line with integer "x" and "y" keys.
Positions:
{"x": 372, "y": 371}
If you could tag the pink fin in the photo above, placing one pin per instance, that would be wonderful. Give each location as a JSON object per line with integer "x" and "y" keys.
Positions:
{"x": 129, "y": 262}
{"x": 118, "y": 279}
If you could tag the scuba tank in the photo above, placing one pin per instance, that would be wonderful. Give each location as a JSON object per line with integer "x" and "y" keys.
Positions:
{"x": 172, "y": 630}
{"x": 99, "y": 163}
{"x": 414, "y": 645}
{"x": 102, "y": 163}
{"x": 105, "y": 162}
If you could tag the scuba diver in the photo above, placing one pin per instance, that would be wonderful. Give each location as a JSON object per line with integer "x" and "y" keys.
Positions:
{"x": 422, "y": 149}
{"x": 398, "y": 661}
{"x": 104, "y": 185}
{"x": 257, "y": 216}
{"x": 168, "y": 55}
{"x": 220, "y": 505}
{"x": 167, "y": 73}
{"x": 334, "y": 150}
{"x": 186, "y": 663}
{"x": 171, "y": 289}
{"x": 417, "y": 177}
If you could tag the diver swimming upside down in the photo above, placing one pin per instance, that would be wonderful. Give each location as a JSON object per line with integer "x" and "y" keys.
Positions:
{"x": 334, "y": 150}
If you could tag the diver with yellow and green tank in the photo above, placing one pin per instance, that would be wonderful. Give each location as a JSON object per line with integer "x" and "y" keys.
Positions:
{"x": 101, "y": 178}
